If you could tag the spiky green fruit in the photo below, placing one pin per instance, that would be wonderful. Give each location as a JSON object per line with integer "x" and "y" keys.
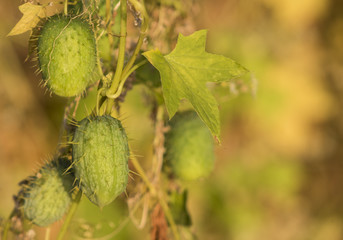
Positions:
{"x": 67, "y": 55}
{"x": 48, "y": 194}
{"x": 189, "y": 147}
{"x": 100, "y": 155}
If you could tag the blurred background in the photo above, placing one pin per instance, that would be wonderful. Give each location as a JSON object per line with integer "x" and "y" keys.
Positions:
{"x": 279, "y": 170}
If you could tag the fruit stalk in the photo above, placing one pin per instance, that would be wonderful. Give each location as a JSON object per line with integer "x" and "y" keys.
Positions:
{"x": 121, "y": 56}
{"x": 7, "y": 225}
{"x": 70, "y": 215}
{"x": 122, "y": 74}
{"x": 125, "y": 77}
{"x": 144, "y": 27}
{"x": 122, "y": 46}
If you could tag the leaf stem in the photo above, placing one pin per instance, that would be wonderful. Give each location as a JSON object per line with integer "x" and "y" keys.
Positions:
{"x": 70, "y": 215}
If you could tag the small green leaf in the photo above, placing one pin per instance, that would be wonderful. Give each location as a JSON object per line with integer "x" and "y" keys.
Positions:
{"x": 178, "y": 207}
{"x": 185, "y": 71}
{"x": 31, "y": 16}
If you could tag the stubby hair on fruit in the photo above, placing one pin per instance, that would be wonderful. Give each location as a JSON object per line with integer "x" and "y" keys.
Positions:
{"x": 189, "y": 147}
{"x": 48, "y": 194}
{"x": 100, "y": 155}
{"x": 66, "y": 50}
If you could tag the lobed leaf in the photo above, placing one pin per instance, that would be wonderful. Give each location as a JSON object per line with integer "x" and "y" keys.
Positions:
{"x": 185, "y": 71}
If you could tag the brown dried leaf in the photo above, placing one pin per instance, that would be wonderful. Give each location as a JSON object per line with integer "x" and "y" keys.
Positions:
{"x": 31, "y": 16}
{"x": 159, "y": 227}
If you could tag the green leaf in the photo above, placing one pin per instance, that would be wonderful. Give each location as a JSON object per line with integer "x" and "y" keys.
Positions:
{"x": 178, "y": 207}
{"x": 31, "y": 16}
{"x": 185, "y": 71}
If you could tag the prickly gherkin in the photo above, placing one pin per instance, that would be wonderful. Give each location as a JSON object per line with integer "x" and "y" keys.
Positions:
{"x": 47, "y": 195}
{"x": 100, "y": 155}
{"x": 66, "y": 50}
{"x": 189, "y": 147}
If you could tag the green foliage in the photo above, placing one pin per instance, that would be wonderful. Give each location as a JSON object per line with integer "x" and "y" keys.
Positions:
{"x": 189, "y": 147}
{"x": 148, "y": 75}
{"x": 67, "y": 55}
{"x": 86, "y": 104}
{"x": 178, "y": 207}
{"x": 185, "y": 71}
{"x": 100, "y": 155}
{"x": 48, "y": 194}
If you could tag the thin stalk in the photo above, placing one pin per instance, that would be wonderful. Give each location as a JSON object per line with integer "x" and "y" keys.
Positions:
{"x": 169, "y": 217}
{"x": 135, "y": 53}
{"x": 122, "y": 82}
{"x": 144, "y": 27}
{"x": 98, "y": 97}
{"x": 8, "y": 225}
{"x": 70, "y": 215}
{"x": 122, "y": 46}
{"x": 121, "y": 56}
{"x": 109, "y": 24}
{"x": 99, "y": 65}
{"x": 153, "y": 192}
{"x": 6, "y": 228}
{"x": 142, "y": 174}
{"x": 158, "y": 144}
{"x": 122, "y": 74}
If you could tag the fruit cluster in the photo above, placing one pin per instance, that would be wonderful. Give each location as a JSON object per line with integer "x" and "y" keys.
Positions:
{"x": 97, "y": 162}
{"x": 70, "y": 51}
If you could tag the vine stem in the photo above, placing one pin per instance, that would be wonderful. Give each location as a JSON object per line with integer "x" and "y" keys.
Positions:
{"x": 158, "y": 144}
{"x": 109, "y": 24}
{"x": 145, "y": 23}
{"x": 122, "y": 82}
{"x": 121, "y": 56}
{"x": 160, "y": 198}
{"x": 122, "y": 46}
{"x": 121, "y": 74}
{"x": 70, "y": 215}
